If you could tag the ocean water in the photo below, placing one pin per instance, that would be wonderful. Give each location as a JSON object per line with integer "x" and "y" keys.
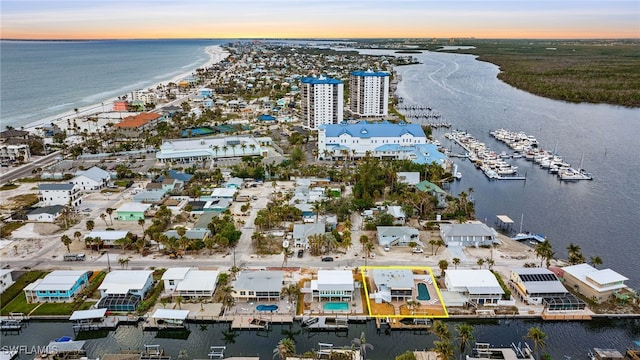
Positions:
{"x": 42, "y": 79}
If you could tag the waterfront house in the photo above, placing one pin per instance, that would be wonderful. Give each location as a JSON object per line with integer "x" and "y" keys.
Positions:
{"x": 398, "y": 236}
{"x": 6, "y": 279}
{"x": 302, "y": 232}
{"x": 109, "y": 237}
{"x": 57, "y": 286}
{"x": 480, "y": 287}
{"x": 595, "y": 284}
{"x": 45, "y": 214}
{"x": 132, "y": 211}
{"x": 91, "y": 179}
{"x": 434, "y": 190}
{"x": 190, "y": 282}
{"x": 392, "y": 284}
{"x": 122, "y": 290}
{"x": 333, "y": 285}
{"x": 59, "y": 194}
{"x": 258, "y": 285}
{"x": 475, "y": 234}
{"x": 541, "y": 286}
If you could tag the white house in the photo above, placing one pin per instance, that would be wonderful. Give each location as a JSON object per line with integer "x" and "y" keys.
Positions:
{"x": 123, "y": 290}
{"x": 91, "y": 179}
{"x": 224, "y": 193}
{"x": 399, "y": 217}
{"x": 541, "y": 286}
{"x": 333, "y": 285}
{"x": 199, "y": 149}
{"x": 258, "y": 285}
{"x": 6, "y": 279}
{"x": 59, "y": 194}
{"x": 393, "y": 284}
{"x": 321, "y": 101}
{"x": 57, "y": 286}
{"x": 45, "y": 213}
{"x": 109, "y": 237}
{"x": 369, "y": 93}
{"x": 190, "y": 282}
{"x": 467, "y": 234}
{"x": 479, "y": 286}
{"x": 383, "y": 140}
{"x": 595, "y": 284}
{"x": 398, "y": 236}
{"x": 302, "y": 232}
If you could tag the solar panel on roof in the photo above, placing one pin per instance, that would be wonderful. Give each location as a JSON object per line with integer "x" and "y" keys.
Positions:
{"x": 538, "y": 277}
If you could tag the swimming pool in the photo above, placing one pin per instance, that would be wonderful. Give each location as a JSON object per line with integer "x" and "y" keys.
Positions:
{"x": 267, "y": 307}
{"x": 336, "y": 306}
{"x": 423, "y": 293}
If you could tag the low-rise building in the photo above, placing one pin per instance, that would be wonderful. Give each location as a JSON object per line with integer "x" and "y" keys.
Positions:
{"x": 541, "y": 286}
{"x": 333, "y": 285}
{"x": 434, "y": 190}
{"x": 200, "y": 149}
{"x": 302, "y": 232}
{"x": 479, "y": 286}
{"x": 109, "y": 237}
{"x": 59, "y": 194}
{"x": 398, "y": 236}
{"x": 258, "y": 285}
{"x": 392, "y": 284}
{"x": 132, "y": 211}
{"x": 595, "y": 284}
{"x": 6, "y": 279}
{"x": 467, "y": 234}
{"x": 91, "y": 179}
{"x": 133, "y": 126}
{"x": 190, "y": 282}
{"x": 57, "y": 286}
{"x": 45, "y": 214}
{"x": 123, "y": 290}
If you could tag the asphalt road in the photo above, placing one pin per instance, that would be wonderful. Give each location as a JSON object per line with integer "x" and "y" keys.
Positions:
{"x": 26, "y": 169}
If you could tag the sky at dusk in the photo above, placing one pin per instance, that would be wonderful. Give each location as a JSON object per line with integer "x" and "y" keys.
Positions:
{"x": 115, "y": 19}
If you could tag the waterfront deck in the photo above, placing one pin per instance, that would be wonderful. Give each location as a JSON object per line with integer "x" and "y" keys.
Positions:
{"x": 403, "y": 324}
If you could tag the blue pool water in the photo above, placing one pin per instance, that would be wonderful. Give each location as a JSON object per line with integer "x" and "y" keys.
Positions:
{"x": 336, "y": 306}
{"x": 423, "y": 293}
{"x": 267, "y": 307}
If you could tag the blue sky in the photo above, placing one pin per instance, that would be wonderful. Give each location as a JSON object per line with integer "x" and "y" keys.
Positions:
{"x": 331, "y": 18}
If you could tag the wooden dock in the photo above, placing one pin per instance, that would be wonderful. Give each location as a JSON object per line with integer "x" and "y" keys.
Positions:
{"x": 397, "y": 324}
{"x": 250, "y": 322}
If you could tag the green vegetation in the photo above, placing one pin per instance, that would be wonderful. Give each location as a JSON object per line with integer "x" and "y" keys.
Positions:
{"x": 505, "y": 288}
{"x": 154, "y": 294}
{"x": 574, "y": 71}
{"x": 407, "y": 355}
{"x": 16, "y": 289}
{"x": 9, "y": 186}
{"x": 18, "y": 305}
{"x": 7, "y": 228}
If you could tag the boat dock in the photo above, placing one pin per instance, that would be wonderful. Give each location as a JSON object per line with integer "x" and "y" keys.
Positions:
{"x": 403, "y": 324}
{"x": 96, "y": 319}
{"x": 251, "y": 323}
{"x": 13, "y": 322}
{"x": 325, "y": 323}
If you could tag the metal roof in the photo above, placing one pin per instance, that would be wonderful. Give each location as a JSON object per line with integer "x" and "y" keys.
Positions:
{"x": 65, "y": 187}
{"x": 365, "y": 129}
{"x": 259, "y": 280}
{"x": 199, "y": 280}
{"x": 393, "y": 278}
{"x": 88, "y": 314}
{"x": 335, "y": 280}
{"x": 170, "y": 314}
{"x": 321, "y": 80}
{"x": 369, "y": 73}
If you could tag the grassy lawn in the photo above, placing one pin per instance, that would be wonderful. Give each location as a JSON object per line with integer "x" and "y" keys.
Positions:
{"x": 16, "y": 289}
{"x": 55, "y": 309}
{"x": 18, "y": 304}
{"x": 7, "y": 229}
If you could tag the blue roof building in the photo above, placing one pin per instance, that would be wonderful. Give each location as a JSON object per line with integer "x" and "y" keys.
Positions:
{"x": 369, "y": 93}
{"x": 321, "y": 101}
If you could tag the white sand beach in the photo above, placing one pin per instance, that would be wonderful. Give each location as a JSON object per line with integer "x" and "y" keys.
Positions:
{"x": 102, "y": 113}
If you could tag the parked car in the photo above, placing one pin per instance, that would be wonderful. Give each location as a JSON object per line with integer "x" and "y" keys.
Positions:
{"x": 387, "y": 248}
{"x": 300, "y": 253}
{"x": 327, "y": 259}
{"x": 417, "y": 250}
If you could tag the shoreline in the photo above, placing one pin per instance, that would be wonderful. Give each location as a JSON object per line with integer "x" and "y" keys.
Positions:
{"x": 216, "y": 54}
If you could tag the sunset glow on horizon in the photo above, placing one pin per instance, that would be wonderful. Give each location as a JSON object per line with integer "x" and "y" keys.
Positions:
{"x": 140, "y": 19}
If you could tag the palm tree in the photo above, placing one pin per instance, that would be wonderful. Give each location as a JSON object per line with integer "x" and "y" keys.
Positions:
{"x": 110, "y": 212}
{"x": 480, "y": 262}
{"x": 104, "y": 218}
{"x": 456, "y": 262}
{"x": 141, "y": 223}
{"x": 575, "y": 254}
{"x": 441, "y": 330}
{"x": 77, "y": 235}
{"x": 364, "y": 240}
{"x": 362, "y": 345}
{"x": 90, "y": 224}
{"x": 285, "y": 348}
{"x": 66, "y": 240}
{"x": 544, "y": 251}
{"x": 443, "y": 265}
{"x": 444, "y": 349}
{"x": 595, "y": 261}
{"x": 124, "y": 262}
{"x": 538, "y": 337}
{"x": 465, "y": 336}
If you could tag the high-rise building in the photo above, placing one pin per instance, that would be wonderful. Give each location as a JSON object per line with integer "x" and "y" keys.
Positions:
{"x": 369, "y": 93}
{"x": 321, "y": 101}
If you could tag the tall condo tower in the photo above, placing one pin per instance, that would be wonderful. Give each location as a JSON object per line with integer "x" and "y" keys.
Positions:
{"x": 369, "y": 93}
{"x": 321, "y": 101}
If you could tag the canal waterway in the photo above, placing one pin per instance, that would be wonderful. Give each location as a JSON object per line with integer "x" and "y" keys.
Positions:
{"x": 564, "y": 338}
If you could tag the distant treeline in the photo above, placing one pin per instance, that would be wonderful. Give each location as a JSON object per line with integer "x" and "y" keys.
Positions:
{"x": 597, "y": 71}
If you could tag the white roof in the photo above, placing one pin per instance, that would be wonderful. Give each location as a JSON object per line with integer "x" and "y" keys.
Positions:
{"x": 177, "y": 273}
{"x": 4, "y": 272}
{"x": 335, "y": 280}
{"x": 199, "y": 280}
{"x": 259, "y": 280}
{"x": 476, "y": 281}
{"x": 170, "y": 314}
{"x": 88, "y": 314}
{"x": 121, "y": 281}
{"x": 96, "y": 174}
{"x": 59, "y": 280}
{"x": 589, "y": 275}
{"x": 393, "y": 278}
{"x": 505, "y": 219}
{"x": 108, "y": 235}
{"x": 134, "y": 207}
{"x": 224, "y": 192}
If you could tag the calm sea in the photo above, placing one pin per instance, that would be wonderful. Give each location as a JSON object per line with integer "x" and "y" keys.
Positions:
{"x": 42, "y": 79}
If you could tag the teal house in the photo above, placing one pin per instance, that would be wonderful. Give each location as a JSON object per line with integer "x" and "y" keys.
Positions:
{"x": 132, "y": 211}
{"x": 57, "y": 286}
{"x": 435, "y": 190}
